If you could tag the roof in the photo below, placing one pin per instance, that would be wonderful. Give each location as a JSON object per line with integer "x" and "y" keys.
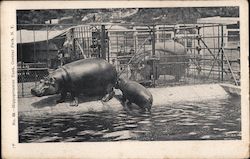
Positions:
{"x": 65, "y": 18}
{"x": 218, "y": 19}
{"x": 30, "y": 36}
{"x": 115, "y": 28}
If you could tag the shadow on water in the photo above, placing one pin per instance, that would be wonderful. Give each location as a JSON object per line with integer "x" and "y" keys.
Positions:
{"x": 83, "y": 98}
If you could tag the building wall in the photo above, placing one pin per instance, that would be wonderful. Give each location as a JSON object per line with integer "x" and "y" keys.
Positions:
{"x": 37, "y": 53}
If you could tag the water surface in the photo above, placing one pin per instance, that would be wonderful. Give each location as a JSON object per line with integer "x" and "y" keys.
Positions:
{"x": 207, "y": 120}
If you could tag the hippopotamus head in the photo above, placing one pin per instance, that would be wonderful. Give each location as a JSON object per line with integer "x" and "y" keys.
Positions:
{"x": 120, "y": 82}
{"x": 47, "y": 86}
{"x": 148, "y": 103}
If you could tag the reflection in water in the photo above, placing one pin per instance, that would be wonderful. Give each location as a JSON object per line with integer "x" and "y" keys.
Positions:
{"x": 208, "y": 120}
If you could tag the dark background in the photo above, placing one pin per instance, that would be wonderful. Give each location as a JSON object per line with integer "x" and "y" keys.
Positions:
{"x": 144, "y": 15}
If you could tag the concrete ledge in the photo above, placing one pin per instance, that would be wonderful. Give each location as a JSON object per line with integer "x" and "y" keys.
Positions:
{"x": 161, "y": 96}
{"x": 187, "y": 93}
{"x": 231, "y": 89}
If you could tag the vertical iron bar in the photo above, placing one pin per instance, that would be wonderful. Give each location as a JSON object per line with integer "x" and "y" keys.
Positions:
{"x": 47, "y": 53}
{"x": 117, "y": 42}
{"x": 78, "y": 39}
{"x": 173, "y": 66}
{"x": 164, "y": 46}
{"x": 144, "y": 55}
{"x": 125, "y": 42}
{"x": 91, "y": 42}
{"x": 34, "y": 39}
{"x": 87, "y": 32}
{"x": 108, "y": 50}
{"x": 136, "y": 40}
{"x": 222, "y": 52}
{"x": 199, "y": 46}
{"x": 214, "y": 51}
{"x": 219, "y": 49}
{"x": 186, "y": 40}
{"x": 153, "y": 55}
{"x": 83, "y": 39}
{"x": 153, "y": 40}
{"x": 34, "y": 53}
{"x": 73, "y": 31}
{"x": 103, "y": 45}
{"x": 193, "y": 54}
{"x": 204, "y": 52}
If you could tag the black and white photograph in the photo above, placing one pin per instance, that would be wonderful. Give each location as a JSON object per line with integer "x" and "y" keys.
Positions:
{"x": 128, "y": 74}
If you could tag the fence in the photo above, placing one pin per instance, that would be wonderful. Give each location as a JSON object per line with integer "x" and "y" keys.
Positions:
{"x": 154, "y": 55}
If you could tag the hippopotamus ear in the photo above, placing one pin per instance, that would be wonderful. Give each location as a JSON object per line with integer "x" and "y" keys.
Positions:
{"x": 42, "y": 81}
{"x": 117, "y": 84}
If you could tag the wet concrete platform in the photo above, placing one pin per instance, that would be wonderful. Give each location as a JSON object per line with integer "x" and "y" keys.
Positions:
{"x": 161, "y": 96}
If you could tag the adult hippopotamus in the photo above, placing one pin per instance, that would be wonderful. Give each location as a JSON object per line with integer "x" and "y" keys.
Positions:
{"x": 173, "y": 60}
{"x": 87, "y": 76}
{"x": 134, "y": 92}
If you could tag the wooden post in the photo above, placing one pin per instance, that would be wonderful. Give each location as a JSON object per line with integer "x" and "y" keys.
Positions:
{"x": 103, "y": 43}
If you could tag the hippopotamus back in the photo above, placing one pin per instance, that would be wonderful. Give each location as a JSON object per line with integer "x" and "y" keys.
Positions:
{"x": 92, "y": 73}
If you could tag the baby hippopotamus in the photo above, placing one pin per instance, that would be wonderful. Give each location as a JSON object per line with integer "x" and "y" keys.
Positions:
{"x": 134, "y": 92}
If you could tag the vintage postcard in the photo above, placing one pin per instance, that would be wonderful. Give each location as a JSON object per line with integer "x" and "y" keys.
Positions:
{"x": 125, "y": 79}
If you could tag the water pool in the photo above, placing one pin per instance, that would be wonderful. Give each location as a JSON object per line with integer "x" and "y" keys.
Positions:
{"x": 207, "y": 120}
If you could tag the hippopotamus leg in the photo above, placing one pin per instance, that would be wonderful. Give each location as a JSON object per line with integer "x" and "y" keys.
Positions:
{"x": 128, "y": 104}
{"x": 123, "y": 99}
{"x": 63, "y": 97}
{"x": 75, "y": 100}
{"x": 125, "y": 102}
{"x": 110, "y": 93}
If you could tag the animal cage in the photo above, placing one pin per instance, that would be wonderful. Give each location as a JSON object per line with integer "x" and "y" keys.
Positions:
{"x": 153, "y": 55}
